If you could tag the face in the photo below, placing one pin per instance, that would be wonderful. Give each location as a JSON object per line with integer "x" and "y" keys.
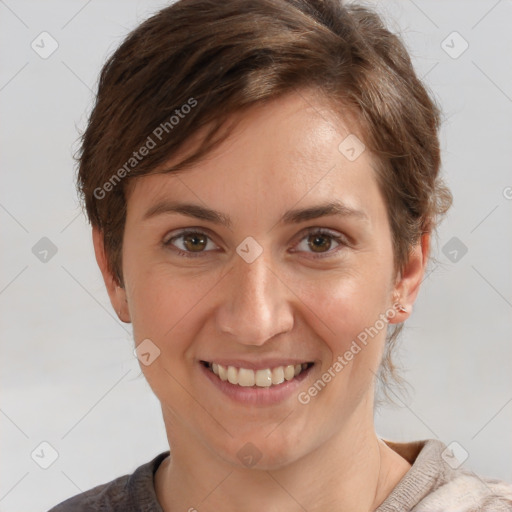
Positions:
{"x": 240, "y": 262}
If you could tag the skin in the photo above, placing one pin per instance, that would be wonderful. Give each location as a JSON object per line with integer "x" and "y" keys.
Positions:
{"x": 321, "y": 456}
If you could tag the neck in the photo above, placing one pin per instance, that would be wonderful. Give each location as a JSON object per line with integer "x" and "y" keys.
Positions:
{"x": 352, "y": 471}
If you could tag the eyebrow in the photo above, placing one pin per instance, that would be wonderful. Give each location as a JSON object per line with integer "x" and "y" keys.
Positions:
{"x": 290, "y": 217}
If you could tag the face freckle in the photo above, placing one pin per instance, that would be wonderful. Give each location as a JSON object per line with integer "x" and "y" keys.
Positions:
{"x": 258, "y": 193}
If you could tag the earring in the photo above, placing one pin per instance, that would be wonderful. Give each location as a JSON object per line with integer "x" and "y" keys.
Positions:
{"x": 401, "y": 308}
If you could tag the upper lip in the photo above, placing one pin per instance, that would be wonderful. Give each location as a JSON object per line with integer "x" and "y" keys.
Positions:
{"x": 261, "y": 364}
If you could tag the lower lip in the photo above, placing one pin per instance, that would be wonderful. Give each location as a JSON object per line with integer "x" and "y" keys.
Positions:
{"x": 256, "y": 395}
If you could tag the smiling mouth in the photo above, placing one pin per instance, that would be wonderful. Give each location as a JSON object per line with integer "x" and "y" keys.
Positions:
{"x": 264, "y": 378}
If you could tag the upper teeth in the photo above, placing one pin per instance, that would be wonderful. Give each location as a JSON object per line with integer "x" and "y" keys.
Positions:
{"x": 261, "y": 378}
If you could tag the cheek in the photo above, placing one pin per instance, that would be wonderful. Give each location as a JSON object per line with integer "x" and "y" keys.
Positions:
{"x": 163, "y": 302}
{"x": 169, "y": 306}
{"x": 350, "y": 315}
{"x": 168, "y": 311}
{"x": 351, "y": 299}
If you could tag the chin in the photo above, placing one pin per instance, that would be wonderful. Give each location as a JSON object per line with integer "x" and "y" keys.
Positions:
{"x": 259, "y": 452}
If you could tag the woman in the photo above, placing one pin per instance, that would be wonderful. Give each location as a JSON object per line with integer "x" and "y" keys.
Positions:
{"x": 262, "y": 180}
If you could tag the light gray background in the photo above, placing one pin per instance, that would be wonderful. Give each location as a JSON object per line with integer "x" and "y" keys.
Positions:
{"x": 68, "y": 373}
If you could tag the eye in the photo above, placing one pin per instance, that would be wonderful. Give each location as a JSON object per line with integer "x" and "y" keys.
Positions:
{"x": 320, "y": 240}
{"x": 193, "y": 243}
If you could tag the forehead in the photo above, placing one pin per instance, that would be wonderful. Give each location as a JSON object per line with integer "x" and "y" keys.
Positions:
{"x": 289, "y": 149}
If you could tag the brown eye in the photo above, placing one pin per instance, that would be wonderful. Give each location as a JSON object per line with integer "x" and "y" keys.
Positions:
{"x": 319, "y": 243}
{"x": 190, "y": 243}
{"x": 194, "y": 242}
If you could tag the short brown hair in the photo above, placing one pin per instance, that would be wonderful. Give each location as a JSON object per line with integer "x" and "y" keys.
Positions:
{"x": 196, "y": 62}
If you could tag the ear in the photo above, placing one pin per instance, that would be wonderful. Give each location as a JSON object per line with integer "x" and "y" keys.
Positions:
{"x": 115, "y": 291}
{"x": 409, "y": 280}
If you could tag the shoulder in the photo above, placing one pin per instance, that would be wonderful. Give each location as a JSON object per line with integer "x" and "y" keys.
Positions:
{"x": 127, "y": 493}
{"x": 438, "y": 482}
{"x": 466, "y": 491}
{"x": 110, "y": 496}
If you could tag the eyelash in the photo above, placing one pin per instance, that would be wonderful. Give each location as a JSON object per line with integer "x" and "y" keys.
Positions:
{"x": 312, "y": 231}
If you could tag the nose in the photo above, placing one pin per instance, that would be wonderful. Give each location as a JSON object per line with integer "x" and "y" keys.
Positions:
{"x": 255, "y": 303}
